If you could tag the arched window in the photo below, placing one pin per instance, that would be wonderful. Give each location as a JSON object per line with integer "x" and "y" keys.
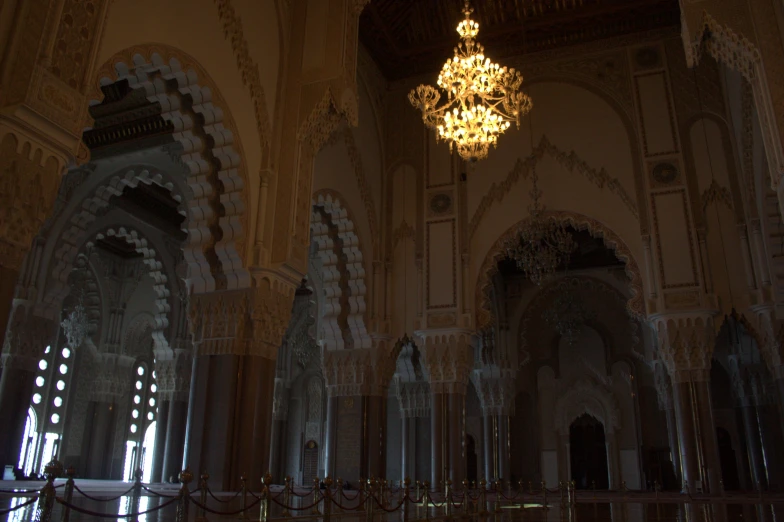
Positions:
{"x": 140, "y": 445}
{"x": 29, "y": 442}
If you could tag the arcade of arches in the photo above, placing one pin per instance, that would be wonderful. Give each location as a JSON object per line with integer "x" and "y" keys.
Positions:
{"x": 228, "y": 242}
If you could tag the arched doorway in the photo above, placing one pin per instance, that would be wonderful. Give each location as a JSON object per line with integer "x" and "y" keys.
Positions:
{"x": 471, "y": 459}
{"x": 729, "y": 464}
{"x": 588, "y": 453}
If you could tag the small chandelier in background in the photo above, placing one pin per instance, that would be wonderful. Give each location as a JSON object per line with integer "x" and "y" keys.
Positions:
{"x": 540, "y": 245}
{"x": 483, "y": 97}
{"x": 567, "y": 315}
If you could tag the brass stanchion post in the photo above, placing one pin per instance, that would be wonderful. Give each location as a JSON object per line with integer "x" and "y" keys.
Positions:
{"x": 316, "y": 500}
{"x": 406, "y": 492}
{"x": 448, "y": 498}
{"x": 544, "y": 494}
{"x": 327, "y": 498}
{"x": 371, "y": 486}
{"x": 483, "y": 496}
{"x": 68, "y": 493}
{"x": 43, "y": 512}
{"x": 244, "y": 495}
{"x": 466, "y": 498}
{"x": 203, "y": 495}
{"x": 182, "y": 507}
{"x": 362, "y": 505}
{"x": 266, "y": 480}
{"x": 339, "y": 493}
{"x": 426, "y": 499}
{"x": 136, "y": 496}
{"x": 286, "y": 497}
{"x": 498, "y": 487}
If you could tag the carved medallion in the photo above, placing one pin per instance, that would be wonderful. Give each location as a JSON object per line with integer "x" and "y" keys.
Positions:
{"x": 647, "y": 58}
{"x": 440, "y": 203}
{"x": 665, "y": 173}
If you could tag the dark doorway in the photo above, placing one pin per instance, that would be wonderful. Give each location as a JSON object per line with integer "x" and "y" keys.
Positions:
{"x": 588, "y": 453}
{"x": 310, "y": 463}
{"x": 729, "y": 465}
{"x": 471, "y": 471}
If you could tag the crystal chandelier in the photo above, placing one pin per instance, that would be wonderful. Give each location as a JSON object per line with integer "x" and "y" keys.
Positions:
{"x": 539, "y": 245}
{"x": 567, "y": 316}
{"x": 483, "y": 97}
{"x": 75, "y": 326}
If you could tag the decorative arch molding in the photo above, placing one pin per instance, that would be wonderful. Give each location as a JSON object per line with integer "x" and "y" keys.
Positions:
{"x": 87, "y": 283}
{"x": 485, "y": 316}
{"x": 583, "y": 397}
{"x": 337, "y": 247}
{"x": 77, "y": 232}
{"x": 139, "y": 332}
{"x": 157, "y": 272}
{"x": 586, "y": 286}
{"x": 570, "y": 161}
{"x": 740, "y": 54}
{"x": 211, "y": 155}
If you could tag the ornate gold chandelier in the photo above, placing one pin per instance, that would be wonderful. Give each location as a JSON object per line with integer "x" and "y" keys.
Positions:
{"x": 483, "y": 97}
{"x": 539, "y": 245}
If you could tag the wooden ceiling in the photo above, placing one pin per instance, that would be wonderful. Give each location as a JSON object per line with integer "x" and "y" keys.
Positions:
{"x": 411, "y": 37}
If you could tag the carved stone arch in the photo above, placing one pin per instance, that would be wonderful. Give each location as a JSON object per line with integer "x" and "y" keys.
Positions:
{"x": 484, "y": 310}
{"x": 338, "y": 248}
{"x": 210, "y": 152}
{"x": 86, "y": 286}
{"x": 729, "y": 196}
{"x": 156, "y": 269}
{"x": 740, "y": 54}
{"x": 76, "y": 232}
{"x": 625, "y": 114}
{"x": 583, "y": 397}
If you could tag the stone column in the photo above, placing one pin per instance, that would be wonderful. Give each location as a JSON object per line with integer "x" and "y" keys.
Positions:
{"x": 488, "y": 423}
{"x": 504, "y": 462}
{"x": 237, "y": 335}
{"x": 330, "y": 437}
{"x": 753, "y": 446}
{"x": 279, "y": 425}
{"x": 174, "y": 443}
{"x": 686, "y": 344}
{"x": 613, "y": 473}
{"x": 27, "y": 336}
{"x": 664, "y": 394}
{"x": 405, "y": 429}
{"x": 161, "y": 425}
{"x": 100, "y": 434}
{"x": 437, "y": 442}
{"x": 457, "y": 464}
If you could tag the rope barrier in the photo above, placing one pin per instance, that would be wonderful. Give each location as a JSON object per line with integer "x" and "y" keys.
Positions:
{"x": 296, "y": 508}
{"x": 227, "y": 513}
{"x": 310, "y": 492}
{"x": 112, "y": 515}
{"x": 148, "y": 490}
{"x": 103, "y": 499}
{"x": 20, "y": 506}
{"x": 209, "y": 491}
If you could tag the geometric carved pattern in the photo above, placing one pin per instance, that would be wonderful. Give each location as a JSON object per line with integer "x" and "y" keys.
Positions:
{"x": 484, "y": 308}
{"x": 343, "y": 275}
{"x": 213, "y": 168}
{"x": 586, "y": 397}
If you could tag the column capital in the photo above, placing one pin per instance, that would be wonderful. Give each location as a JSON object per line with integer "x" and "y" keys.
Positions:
{"x": 250, "y": 321}
{"x": 174, "y": 376}
{"x": 686, "y": 341}
{"x": 448, "y": 358}
{"x": 359, "y": 371}
{"x": 27, "y": 336}
{"x": 496, "y": 392}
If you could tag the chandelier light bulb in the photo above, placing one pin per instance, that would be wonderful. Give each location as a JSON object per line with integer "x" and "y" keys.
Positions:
{"x": 483, "y": 97}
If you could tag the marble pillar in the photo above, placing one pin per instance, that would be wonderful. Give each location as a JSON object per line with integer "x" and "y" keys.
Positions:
{"x": 502, "y": 433}
{"x": 175, "y": 439}
{"x": 373, "y": 445}
{"x": 707, "y": 432}
{"x": 330, "y": 437}
{"x": 456, "y": 423}
{"x": 489, "y": 438}
{"x": 772, "y": 442}
{"x": 753, "y": 444}
{"x": 161, "y": 424}
{"x": 405, "y": 429}
{"x": 278, "y": 450}
{"x": 687, "y": 439}
{"x": 672, "y": 435}
{"x": 100, "y": 440}
{"x": 438, "y": 447}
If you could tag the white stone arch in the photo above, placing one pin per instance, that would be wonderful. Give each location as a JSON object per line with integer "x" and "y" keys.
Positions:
{"x": 157, "y": 271}
{"x": 210, "y": 154}
{"x": 582, "y": 397}
{"x": 79, "y": 222}
{"x": 337, "y": 248}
